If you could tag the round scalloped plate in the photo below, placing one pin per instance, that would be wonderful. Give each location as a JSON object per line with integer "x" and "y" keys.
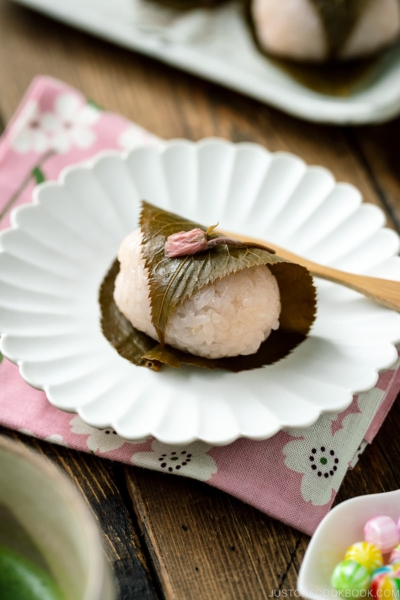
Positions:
{"x": 58, "y": 250}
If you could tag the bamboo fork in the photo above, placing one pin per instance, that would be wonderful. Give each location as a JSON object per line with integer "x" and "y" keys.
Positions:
{"x": 383, "y": 291}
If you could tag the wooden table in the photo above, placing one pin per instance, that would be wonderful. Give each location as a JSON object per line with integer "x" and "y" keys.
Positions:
{"x": 165, "y": 536}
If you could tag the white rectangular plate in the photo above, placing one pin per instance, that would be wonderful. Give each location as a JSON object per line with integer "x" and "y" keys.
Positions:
{"x": 217, "y": 45}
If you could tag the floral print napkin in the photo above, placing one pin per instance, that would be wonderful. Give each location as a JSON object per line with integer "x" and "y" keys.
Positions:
{"x": 293, "y": 476}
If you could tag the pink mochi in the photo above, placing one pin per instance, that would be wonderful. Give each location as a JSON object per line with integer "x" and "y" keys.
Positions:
{"x": 382, "y": 531}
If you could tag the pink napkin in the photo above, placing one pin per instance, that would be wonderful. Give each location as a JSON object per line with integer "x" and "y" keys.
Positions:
{"x": 56, "y": 126}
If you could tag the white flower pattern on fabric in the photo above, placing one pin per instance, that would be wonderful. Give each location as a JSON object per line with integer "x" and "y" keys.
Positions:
{"x": 25, "y": 431}
{"x": 28, "y": 133}
{"x": 55, "y": 438}
{"x": 191, "y": 460}
{"x": 101, "y": 440}
{"x": 70, "y": 123}
{"x": 68, "y": 126}
{"x": 322, "y": 457}
{"x": 368, "y": 402}
{"x": 320, "y": 463}
{"x": 134, "y": 136}
{"x": 358, "y": 454}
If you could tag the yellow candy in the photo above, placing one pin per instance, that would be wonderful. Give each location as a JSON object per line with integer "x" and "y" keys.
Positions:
{"x": 366, "y": 554}
{"x": 384, "y": 587}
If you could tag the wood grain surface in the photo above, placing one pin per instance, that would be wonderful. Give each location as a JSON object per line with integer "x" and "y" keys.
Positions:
{"x": 170, "y": 537}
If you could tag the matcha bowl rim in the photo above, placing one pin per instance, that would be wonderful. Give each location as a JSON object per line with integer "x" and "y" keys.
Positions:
{"x": 66, "y": 509}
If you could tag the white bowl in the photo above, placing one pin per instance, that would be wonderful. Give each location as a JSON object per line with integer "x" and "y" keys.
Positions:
{"x": 44, "y": 518}
{"x": 59, "y": 249}
{"x": 341, "y": 528}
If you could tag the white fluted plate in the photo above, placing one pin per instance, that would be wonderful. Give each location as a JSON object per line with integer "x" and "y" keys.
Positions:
{"x": 54, "y": 258}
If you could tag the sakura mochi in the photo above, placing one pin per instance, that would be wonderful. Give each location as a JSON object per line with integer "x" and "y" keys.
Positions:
{"x": 321, "y": 30}
{"x": 229, "y": 317}
{"x": 184, "y": 294}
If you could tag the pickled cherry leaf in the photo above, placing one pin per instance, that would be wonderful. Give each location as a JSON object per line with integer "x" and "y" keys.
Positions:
{"x": 174, "y": 280}
{"x": 339, "y": 18}
{"x": 180, "y": 276}
{"x": 279, "y": 344}
{"x": 143, "y": 351}
{"x": 129, "y": 342}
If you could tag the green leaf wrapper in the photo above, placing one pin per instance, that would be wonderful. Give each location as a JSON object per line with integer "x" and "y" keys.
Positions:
{"x": 339, "y": 18}
{"x": 128, "y": 341}
{"x": 174, "y": 280}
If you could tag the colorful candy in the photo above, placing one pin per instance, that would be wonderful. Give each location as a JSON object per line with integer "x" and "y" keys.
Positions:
{"x": 366, "y": 554}
{"x": 385, "y": 586}
{"x": 363, "y": 572}
{"x": 385, "y": 570}
{"x": 395, "y": 555}
{"x": 382, "y": 531}
{"x": 350, "y": 576}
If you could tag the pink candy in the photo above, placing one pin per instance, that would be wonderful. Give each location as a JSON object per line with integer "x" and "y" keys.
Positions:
{"x": 364, "y": 571}
{"x": 395, "y": 555}
{"x": 382, "y": 531}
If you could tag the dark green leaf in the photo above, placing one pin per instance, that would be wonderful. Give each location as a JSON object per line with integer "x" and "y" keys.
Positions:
{"x": 38, "y": 175}
{"x": 1, "y": 358}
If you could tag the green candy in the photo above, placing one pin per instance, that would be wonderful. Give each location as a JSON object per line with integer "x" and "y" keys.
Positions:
{"x": 21, "y": 579}
{"x": 349, "y": 576}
